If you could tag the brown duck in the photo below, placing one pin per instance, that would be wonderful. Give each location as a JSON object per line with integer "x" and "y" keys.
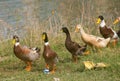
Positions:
{"x": 115, "y": 22}
{"x": 49, "y": 55}
{"x": 74, "y": 48}
{"x": 107, "y": 32}
{"x": 28, "y": 55}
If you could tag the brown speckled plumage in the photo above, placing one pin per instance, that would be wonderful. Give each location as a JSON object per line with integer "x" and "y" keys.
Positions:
{"x": 24, "y": 53}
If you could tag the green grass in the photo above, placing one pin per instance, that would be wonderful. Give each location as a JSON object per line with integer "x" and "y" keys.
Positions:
{"x": 12, "y": 69}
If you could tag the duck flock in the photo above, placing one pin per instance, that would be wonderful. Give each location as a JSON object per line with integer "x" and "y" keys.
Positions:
{"x": 28, "y": 55}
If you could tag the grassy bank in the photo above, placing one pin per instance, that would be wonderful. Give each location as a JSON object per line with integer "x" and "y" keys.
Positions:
{"x": 12, "y": 69}
{"x": 69, "y": 13}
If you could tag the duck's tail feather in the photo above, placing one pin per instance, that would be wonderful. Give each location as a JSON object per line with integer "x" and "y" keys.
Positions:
{"x": 36, "y": 49}
{"x": 84, "y": 48}
{"x": 81, "y": 50}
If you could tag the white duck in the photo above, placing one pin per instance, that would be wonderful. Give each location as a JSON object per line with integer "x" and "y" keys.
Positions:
{"x": 93, "y": 41}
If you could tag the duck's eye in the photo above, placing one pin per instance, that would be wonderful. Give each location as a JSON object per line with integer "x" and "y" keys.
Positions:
{"x": 98, "y": 20}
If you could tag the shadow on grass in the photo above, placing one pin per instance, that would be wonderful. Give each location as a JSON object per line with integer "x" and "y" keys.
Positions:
{"x": 66, "y": 60}
{"x": 84, "y": 70}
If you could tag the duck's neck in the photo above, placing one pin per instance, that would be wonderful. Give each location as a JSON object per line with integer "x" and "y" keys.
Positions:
{"x": 17, "y": 44}
{"x": 68, "y": 36}
{"x": 46, "y": 43}
{"x": 46, "y": 46}
{"x": 82, "y": 32}
{"x": 102, "y": 24}
{"x": 17, "y": 48}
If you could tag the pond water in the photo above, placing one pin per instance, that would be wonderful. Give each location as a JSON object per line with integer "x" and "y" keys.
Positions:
{"x": 11, "y": 14}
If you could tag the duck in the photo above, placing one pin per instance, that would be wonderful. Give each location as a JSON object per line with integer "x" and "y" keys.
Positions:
{"x": 74, "y": 48}
{"x": 50, "y": 56}
{"x": 24, "y": 53}
{"x": 118, "y": 33}
{"x": 115, "y": 22}
{"x": 92, "y": 40}
{"x": 107, "y": 31}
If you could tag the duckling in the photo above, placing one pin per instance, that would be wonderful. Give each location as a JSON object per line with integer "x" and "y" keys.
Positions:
{"x": 49, "y": 55}
{"x": 74, "y": 48}
{"x": 28, "y": 55}
{"x": 107, "y": 31}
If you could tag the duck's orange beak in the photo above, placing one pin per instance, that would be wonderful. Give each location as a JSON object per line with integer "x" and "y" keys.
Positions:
{"x": 116, "y": 21}
{"x": 76, "y": 29}
{"x": 98, "y": 21}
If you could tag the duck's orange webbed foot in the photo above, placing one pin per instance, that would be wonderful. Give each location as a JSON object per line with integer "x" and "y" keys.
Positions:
{"x": 47, "y": 66}
{"x": 86, "y": 53}
{"x": 114, "y": 43}
{"x": 28, "y": 67}
{"x": 52, "y": 72}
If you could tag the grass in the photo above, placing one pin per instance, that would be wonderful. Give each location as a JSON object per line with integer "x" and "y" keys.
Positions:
{"x": 12, "y": 69}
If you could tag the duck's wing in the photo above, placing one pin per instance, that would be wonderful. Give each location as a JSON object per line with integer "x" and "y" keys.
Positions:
{"x": 35, "y": 49}
{"x": 110, "y": 29}
{"x": 25, "y": 50}
{"x": 74, "y": 44}
{"x": 118, "y": 33}
{"x": 28, "y": 50}
{"x": 97, "y": 39}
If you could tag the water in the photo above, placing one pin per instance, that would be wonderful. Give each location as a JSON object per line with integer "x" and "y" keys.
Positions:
{"x": 9, "y": 17}
{"x": 12, "y": 15}
{"x": 46, "y": 6}
{"x": 8, "y": 10}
